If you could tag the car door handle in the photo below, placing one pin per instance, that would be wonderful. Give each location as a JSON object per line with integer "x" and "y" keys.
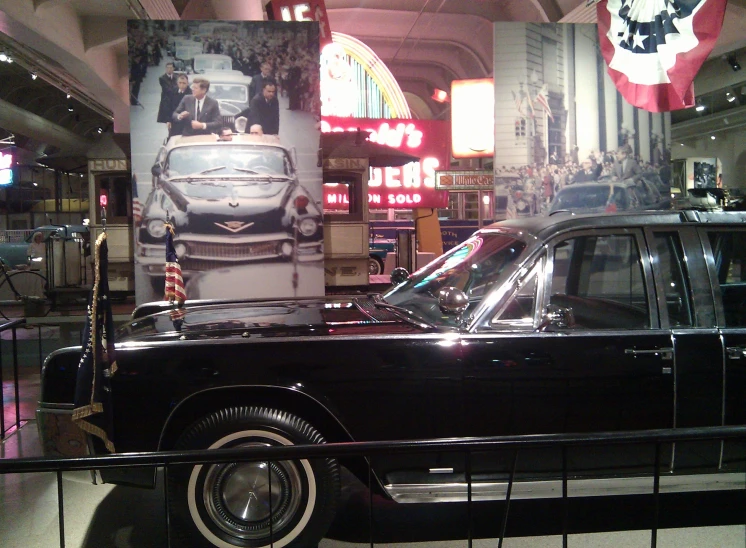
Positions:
{"x": 736, "y": 352}
{"x": 664, "y": 353}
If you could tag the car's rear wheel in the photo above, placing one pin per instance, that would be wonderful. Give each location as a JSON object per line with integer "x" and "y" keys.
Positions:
{"x": 252, "y": 504}
{"x": 375, "y": 266}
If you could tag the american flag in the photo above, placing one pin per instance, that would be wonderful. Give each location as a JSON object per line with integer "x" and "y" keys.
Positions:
{"x": 542, "y": 97}
{"x": 654, "y": 48}
{"x": 92, "y": 411}
{"x": 136, "y": 204}
{"x": 174, "y": 282}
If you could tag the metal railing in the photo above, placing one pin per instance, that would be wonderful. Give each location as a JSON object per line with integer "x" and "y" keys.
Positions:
{"x": 467, "y": 446}
{"x": 13, "y": 325}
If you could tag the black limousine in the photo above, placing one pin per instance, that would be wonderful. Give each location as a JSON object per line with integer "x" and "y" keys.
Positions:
{"x": 559, "y": 324}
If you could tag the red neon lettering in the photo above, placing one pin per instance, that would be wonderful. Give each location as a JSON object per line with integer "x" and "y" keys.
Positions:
{"x": 429, "y": 165}
{"x": 391, "y": 176}
{"x": 374, "y": 198}
{"x": 376, "y": 177}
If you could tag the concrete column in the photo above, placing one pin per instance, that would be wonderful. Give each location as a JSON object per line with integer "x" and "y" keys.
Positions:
{"x": 586, "y": 91}
{"x": 643, "y": 122}
{"x": 610, "y": 105}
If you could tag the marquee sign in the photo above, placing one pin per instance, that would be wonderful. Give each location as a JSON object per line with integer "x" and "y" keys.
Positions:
{"x": 310, "y": 10}
{"x": 464, "y": 180}
{"x": 410, "y": 186}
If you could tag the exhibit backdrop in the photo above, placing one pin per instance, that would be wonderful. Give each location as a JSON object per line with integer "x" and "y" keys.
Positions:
{"x": 559, "y": 119}
{"x": 234, "y": 170}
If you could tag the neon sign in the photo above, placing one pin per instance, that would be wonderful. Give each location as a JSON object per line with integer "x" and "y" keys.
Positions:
{"x": 411, "y": 185}
{"x": 6, "y": 173}
{"x": 312, "y": 10}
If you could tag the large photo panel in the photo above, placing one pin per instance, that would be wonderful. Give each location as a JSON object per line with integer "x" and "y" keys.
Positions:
{"x": 565, "y": 139}
{"x": 225, "y": 132}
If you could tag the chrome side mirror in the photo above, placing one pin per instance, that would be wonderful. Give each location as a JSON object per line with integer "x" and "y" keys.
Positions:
{"x": 452, "y": 301}
{"x": 399, "y": 275}
{"x": 557, "y": 316}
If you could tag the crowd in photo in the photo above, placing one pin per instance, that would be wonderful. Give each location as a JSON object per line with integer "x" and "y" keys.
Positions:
{"x": 284, "y": 59}
{"x": 546, "y": 180}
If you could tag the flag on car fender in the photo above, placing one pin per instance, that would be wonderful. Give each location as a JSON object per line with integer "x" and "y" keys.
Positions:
{"x": 92, "y": 412}
{"x": 654, "y": 48}
{"x": 174, "y": 282}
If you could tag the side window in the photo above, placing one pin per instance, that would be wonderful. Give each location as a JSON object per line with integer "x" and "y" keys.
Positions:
{"x": 600, "y": 280}
{"x": 675, "y": 279}
{"x": 518, "y": 311}
{"x": 729, "y": 250}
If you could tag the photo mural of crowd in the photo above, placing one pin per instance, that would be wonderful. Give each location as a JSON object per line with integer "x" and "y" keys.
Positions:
{"x": 535, "y": 189}
{"x": 265, "y": 57}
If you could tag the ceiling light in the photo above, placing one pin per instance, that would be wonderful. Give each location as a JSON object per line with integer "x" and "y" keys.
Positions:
{"x": 712, "y": 137}
{"x": 70, "y": 108}
{"x": 3, "y": 57}
{"x": 733, "y": 62}
{"x": 67, "y": 96}
{"x": 33, "y": 76}
{"x": 439, "y": 96}
{"x": 700, "y": 107}
{"x": 99, "y": 130}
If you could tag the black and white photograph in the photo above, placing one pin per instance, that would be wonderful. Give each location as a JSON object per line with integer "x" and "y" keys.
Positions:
{"x": 565, "y": 139}
{"x": 705, "y": 171}
{"x": 224, "y": 121}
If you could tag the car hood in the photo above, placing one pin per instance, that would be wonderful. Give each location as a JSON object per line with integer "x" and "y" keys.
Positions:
{"x": 312, "y": 317}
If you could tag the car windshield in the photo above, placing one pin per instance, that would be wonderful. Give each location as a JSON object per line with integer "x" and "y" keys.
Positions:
{"x": 218, "y": 190}
{"x": 476, "y": 266}
{"x": 238, "y": 93}
{"x": 590, "y": 197}
{"x": 225, "y": 159}
{"x": 212, "y": 64}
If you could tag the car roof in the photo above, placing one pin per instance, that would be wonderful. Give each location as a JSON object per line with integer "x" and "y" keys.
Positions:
{"x": 223, "y": 77}
{"x": 540, "y": 225}
{"x": 211, "y": 139}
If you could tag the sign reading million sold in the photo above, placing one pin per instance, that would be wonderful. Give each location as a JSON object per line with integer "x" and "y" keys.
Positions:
{"x": 464, "y": 180}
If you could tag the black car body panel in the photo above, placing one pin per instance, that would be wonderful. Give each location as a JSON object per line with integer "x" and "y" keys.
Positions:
{"x": 572, "y": 324}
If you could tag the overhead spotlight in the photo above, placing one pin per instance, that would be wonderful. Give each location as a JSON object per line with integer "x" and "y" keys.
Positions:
{"x": 70, "y": 107}
{"x": 730, "y": 97}
{"x": 700, "y": 107}
{"x": 34, "y": 76}
{"x": 733, "y": 62}
{"x": 36, "y": 184}
{"x": 3, "y": 57}
{"x": 99, "y": 130}
{"x": 67, "y": 96}
{"x": 712, "y": 137}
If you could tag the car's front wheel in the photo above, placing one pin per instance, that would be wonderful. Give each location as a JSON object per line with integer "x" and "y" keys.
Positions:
{"x": 375, "y": 266}
{"x": 252, "y": 504}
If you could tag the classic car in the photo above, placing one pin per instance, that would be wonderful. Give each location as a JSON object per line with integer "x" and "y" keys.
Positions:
{"x": 15, "y": 254}
{"x": 231, "y": 203}
{"x": 610, "y": 196}
{"x": 229, "y": 87}
{"x": 208, "y": 62}
{"x": 568, "y": 323}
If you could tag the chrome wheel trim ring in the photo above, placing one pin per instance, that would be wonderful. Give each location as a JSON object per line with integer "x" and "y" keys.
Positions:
{"x": 279, "y": 543}
{"x": 227, "y": 495}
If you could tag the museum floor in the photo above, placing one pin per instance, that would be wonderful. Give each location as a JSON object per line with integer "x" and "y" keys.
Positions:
{"x": 101, "y": 516}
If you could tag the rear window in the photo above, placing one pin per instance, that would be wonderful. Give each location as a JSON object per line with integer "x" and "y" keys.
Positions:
{"x": 587, "y": 197}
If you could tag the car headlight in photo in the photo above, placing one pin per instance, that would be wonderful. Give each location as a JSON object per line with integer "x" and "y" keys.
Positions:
{"x": 181, "y": 250}
{"x": 156, "y": 228}
{"x": 307, "y": 226}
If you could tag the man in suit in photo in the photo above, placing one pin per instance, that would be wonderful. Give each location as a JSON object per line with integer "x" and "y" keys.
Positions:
{"x": 264, "y": 109}
{"x": 168, "y": 88}
{"x": 257, "y": 81}
{"x": 626, "y": 167}
{"x": 182, "y": 89}
{"x": 200, "y": 113}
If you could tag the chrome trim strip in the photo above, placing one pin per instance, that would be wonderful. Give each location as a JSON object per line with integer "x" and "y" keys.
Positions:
{"x": 457, "y": 492}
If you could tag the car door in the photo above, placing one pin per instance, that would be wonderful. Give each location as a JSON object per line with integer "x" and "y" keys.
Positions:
{"x": 725, "y": 249}
{"x": 607, "y": 366}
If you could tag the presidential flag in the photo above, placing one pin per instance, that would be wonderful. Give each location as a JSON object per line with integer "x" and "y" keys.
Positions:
{"x": 174, "y": 282}
{"x": 92, "y": 411}
{"x": 654, "y": 48}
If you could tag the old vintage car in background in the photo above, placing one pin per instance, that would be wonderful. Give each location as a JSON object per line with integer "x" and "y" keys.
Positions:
{"x": 230, "y": 88}
{"x": 568, "y": 323}
{"x": 232, "y": 203}
{"x": 211, "y": 62}
{"x": 610, "y": 196}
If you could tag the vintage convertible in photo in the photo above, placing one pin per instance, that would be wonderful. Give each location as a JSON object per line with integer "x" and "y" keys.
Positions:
{"x": 232, "y": 202}
{"x": 561, "y": 324}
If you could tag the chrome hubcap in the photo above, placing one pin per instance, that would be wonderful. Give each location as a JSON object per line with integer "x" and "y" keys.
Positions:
{"x": 240, "y": 497}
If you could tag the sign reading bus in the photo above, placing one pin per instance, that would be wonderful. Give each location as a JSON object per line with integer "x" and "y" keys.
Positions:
{"x": 409, "y": 186}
